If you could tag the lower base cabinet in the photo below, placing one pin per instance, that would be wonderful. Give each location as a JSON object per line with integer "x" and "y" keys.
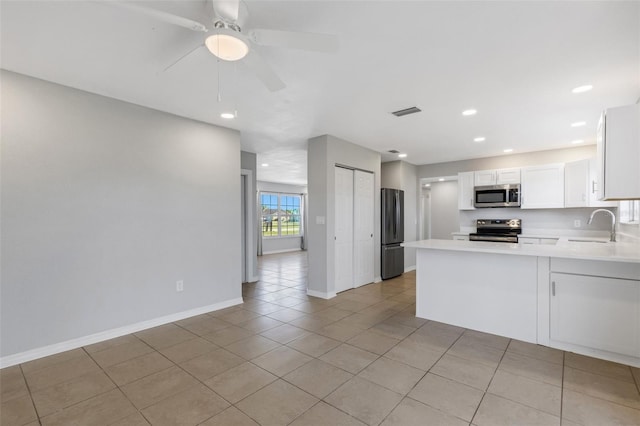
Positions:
{"x": 595, "y": 312}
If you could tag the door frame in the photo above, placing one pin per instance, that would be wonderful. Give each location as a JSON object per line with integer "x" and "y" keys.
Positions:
{"x": 248, "y": 223}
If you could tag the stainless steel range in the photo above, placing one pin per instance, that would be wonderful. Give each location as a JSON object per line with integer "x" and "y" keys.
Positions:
{"x": 497, "y": 230}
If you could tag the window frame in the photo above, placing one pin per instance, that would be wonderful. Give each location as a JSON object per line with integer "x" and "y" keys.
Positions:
{"x": 633, "y": 210}
{"x": 280, "y": 215}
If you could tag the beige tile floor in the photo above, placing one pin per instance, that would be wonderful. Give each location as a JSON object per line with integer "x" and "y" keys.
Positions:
{"x": 283, "y": 358}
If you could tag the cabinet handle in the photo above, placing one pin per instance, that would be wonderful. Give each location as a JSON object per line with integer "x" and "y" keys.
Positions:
{"x": 553, "y": 288}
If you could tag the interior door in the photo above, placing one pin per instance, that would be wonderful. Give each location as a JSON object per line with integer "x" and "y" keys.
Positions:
{"x": 363, "y": 214}
{"x": 343, "y": 229}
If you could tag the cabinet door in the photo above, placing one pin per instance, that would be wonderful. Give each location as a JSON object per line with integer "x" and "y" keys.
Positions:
{"x": 596, "y": 312}
{"x": 465, "y": 191}
{"x": 576, "y": 178}
{"x": 543, "y": 187}
{"x": 343, "y": 274}
{"x": 363, "y": 211}
{"x": 619, "y": 153}
{"x": 505, "y": 176}
{"x": 592, "y": 187}
{"x": 485, "y": 177}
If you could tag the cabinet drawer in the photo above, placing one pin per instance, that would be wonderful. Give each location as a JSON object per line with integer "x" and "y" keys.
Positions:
{"x": 630, "y": 271}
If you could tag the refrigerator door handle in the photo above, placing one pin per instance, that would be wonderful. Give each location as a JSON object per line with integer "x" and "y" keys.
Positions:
{"x": 397, "y": 216}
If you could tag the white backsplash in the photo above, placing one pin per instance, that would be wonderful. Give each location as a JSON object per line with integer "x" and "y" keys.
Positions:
{"x": 544, "y": 221}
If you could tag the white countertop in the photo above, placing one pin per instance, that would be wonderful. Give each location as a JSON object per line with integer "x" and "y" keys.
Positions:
{"x": 613, "y": 252}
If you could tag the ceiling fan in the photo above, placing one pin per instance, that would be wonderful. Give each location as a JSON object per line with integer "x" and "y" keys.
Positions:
{"x": 226, "y": 39}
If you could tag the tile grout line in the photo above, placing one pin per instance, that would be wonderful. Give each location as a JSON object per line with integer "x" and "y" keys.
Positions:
{"x": 564, "y": 354}
{"x": 26, "y": 383}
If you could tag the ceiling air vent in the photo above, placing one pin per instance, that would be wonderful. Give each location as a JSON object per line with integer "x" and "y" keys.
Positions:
{"x": 406, "y": 111}
{"x": 394, "y": 151}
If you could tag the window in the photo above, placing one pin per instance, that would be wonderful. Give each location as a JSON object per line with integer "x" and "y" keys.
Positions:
{"x": 630, "y": 211}
{"x": 280, "y": 214}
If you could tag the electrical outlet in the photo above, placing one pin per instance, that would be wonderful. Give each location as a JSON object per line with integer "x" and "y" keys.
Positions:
{"x": 179, "y": 285}
{"x": 577, "y": 223}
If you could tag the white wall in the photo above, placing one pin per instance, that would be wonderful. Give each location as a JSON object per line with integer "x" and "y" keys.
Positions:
{"x": 281, "y": 244}
{"x": 104, "y": 206}
{"x": 324, "y": 152}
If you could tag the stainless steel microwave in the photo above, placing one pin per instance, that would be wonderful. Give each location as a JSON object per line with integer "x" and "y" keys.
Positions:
{"x": 496, "y": 196}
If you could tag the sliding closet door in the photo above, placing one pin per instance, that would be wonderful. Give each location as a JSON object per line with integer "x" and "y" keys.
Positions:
{"x": 363, "y": 214}
{"x": 344, "y": 229}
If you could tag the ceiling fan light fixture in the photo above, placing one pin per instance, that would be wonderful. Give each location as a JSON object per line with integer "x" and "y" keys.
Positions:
{"x": 227, "y": 45}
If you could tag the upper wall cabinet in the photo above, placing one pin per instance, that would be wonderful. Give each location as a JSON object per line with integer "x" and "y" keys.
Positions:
{"x": 580, "y": 183}
{"x": 542, "y": 187}
{"x": 465, "y": 191}
{"x": 497, "y": 177}
{"x": 618, "y": 153}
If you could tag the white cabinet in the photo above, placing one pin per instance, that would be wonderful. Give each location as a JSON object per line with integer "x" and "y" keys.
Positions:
{"x": 595, "y": 312}
{"x": 497, "y": 177}
{"x": 485, "y": 177}
{"x": 505, "y": 176}
{"x": 465, "y": 191}
{"x": 618, "y": 153}
{"x": 542, "y": 187}
{"x": 580, "y": 185}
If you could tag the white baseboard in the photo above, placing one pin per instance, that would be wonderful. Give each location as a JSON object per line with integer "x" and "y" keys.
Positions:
{"x": 321, "y": 294}
{"x": 410, "y": 268}
{"x": 281, "y": 251}
{"x": 30, "y": 355}
{"x": 377, "y": 279}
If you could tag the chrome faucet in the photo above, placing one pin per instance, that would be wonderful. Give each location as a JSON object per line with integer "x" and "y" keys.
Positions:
{"x": 613, "y": 222}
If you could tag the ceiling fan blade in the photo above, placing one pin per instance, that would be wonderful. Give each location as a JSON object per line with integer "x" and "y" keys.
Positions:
{"x": 227, "y": 9}
{"x": 295, "y": 40}
{"x": 263, "y": 71}
{"x": 161, "y": 16}
{"x": 182, "y": 57}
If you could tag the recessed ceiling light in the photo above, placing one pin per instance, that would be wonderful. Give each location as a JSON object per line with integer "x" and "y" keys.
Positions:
{"x": 577, "y": 141}
{"x": 578, "y": 124}
{"x": 402, "y": 155}
{"x": 427, "y": 185}
{"x": 441, "y": 180}
{"x": 479, "y": 139}
{"x": 228, "y": 115}
{"x": 508, "y": 150}
{"x": 265, "y": 164}
{"x": 582, "y": 89}
{"x": 468, "y": 112}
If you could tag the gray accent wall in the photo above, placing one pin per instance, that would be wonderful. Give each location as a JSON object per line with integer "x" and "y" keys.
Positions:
{"x": 402, "y": 175}
{"x": 105, "y": 205}
{"x": 452, "y": 168}
{"x": 324, "y": 152}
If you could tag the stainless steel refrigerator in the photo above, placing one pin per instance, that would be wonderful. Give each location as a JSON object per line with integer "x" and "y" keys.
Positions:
{"x": 392, "y": 262}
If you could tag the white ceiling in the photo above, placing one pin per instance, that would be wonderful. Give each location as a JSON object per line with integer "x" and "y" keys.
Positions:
{"x": 515, "y": 62}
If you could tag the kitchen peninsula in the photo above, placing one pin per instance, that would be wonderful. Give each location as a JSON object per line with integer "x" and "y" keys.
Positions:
{"x": 579, "y": 296}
